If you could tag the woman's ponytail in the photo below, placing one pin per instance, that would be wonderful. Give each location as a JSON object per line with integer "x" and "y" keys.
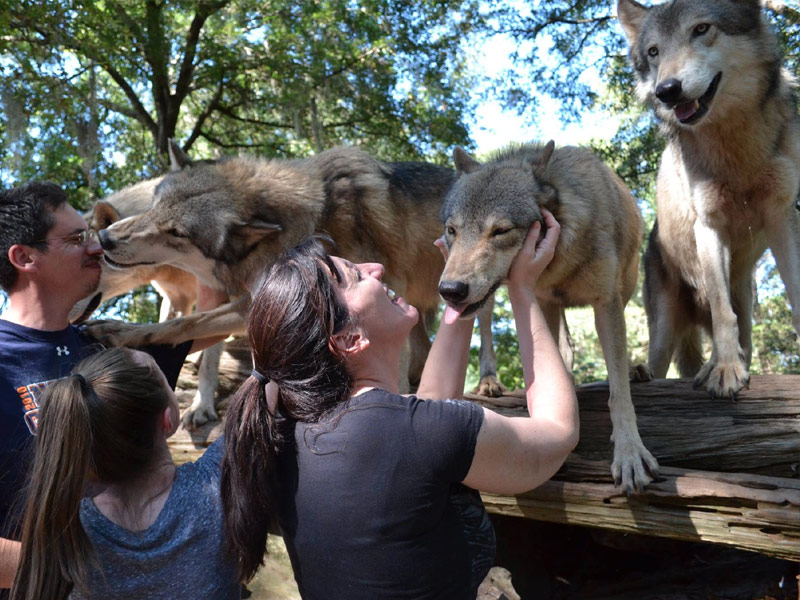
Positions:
{"x": 252, "y": 438}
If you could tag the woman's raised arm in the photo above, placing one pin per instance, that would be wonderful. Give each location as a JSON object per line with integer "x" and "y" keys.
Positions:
{"x": 517, "y": 454}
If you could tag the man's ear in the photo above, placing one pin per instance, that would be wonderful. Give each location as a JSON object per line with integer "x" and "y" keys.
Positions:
{"x": 351, "y": 342}
{"x": 170, "y": 421}
{"x": 22, "y": 258}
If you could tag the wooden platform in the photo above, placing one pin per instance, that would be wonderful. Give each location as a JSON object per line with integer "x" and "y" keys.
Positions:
{"x": 729, "y": 469}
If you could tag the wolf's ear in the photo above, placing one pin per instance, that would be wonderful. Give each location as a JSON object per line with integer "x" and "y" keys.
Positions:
{"x": 464, "y": 162}
{"x": 103, "y": 215}
{"x": 542, "y": 159}
{"x": 257, "y": 229}
{"x": 178, "y": 159}
{"x": 631, "y": 14}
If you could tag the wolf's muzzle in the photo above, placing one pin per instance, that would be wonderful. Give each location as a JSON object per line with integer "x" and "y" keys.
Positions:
{"x": 454, "y": 292}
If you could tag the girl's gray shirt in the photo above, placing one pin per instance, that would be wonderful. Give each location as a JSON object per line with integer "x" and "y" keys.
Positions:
{"x": 180, "y": 555}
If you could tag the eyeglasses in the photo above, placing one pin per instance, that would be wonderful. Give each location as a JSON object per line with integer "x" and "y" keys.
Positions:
{"x": 81, "y": 238}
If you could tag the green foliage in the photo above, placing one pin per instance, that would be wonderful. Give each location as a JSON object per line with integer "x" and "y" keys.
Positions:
{"x": 138, "y": 306}
{"x": 91, "y": 91}
{"x": 774, "y": 339}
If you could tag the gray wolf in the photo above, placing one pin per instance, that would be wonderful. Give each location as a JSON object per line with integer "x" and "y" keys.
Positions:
{"x": 226, "y": 221}
{"x": 486, "y": 216}
{"x": 179, "y": 289}
{"x": 727, "y": 183}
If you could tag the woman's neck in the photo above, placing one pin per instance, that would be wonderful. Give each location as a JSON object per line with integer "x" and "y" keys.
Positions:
{"x": 136, "y": 504}
{"x": 372, "y": 369}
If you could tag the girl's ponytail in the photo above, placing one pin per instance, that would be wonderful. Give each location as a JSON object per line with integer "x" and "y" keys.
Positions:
{"x": 52, "y": 527}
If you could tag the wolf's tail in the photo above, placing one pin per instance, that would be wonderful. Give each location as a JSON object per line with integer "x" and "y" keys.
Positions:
{"x": 689, "y": 353}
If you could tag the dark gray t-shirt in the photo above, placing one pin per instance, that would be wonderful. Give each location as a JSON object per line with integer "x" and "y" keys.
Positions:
{"x": 371, "y": 507}
{"x": 179, "y": 556}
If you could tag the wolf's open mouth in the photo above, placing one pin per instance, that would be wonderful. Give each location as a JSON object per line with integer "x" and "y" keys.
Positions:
{"x": 469, "y": 310}
{"x": 689, "y": 113}
{"x": 116, "y": 265}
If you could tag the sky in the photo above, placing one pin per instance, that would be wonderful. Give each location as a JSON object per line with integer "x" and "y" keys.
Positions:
{"x": 495, "y": 126}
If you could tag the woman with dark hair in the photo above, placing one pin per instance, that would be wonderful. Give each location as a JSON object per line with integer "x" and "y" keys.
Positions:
{"x": 374, "y": 492}
{"x": 154, "y": 530}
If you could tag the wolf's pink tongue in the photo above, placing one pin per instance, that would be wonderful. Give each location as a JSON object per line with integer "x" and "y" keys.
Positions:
{"x": 685, "y": 110}
{"x": 451, "y": 313}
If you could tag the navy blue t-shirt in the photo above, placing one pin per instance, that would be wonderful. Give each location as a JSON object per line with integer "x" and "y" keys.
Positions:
{"x": 29, "y": 360}
{"x": 371, "y": 505}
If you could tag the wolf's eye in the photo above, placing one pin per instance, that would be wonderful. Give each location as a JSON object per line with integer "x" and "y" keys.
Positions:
{"x": 701, "y": 28}
{"x": 652, "y": 51}
{"x": 498, "y": 231}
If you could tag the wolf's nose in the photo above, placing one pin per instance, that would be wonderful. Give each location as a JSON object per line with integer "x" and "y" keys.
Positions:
{"x": 669, "y": 91}
{"x": 453, "y": 291}
{"x": 105, "y": 241}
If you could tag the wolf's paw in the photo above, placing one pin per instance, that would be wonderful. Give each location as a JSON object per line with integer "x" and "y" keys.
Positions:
{"x": 116, "y": 333}
{"x": 633, "y": 466}
{"x": 639, "y": 373}
{"x": 723, "y": 380}
{"x": 199, "y": 413}
{"x": 490, "y": 387}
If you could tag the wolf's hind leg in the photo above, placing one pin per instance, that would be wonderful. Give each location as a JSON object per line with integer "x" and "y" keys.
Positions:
{"x": 633, "y": 466}
{"x": 657, "y": 295}
{"x": 489, "y": 385}
{"x": 419, "y": 344}
{"x": 742, "y": 300}
{"x": 783, "y": 236}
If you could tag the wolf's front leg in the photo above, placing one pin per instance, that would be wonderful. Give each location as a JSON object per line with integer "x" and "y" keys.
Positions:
{"x": 633, "y": 466}
{"x": 725, "y": 373}
{"x": 224, "y": 320}
{"x": 202, "y": 408}
{"x": 489, "y": 384}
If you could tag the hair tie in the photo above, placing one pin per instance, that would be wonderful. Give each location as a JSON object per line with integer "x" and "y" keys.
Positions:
{"x": 259, "y": 376}
{"x": 82, "y": 381}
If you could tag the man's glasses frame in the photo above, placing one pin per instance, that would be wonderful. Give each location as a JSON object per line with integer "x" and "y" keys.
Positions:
{"x": 80, "y": 238}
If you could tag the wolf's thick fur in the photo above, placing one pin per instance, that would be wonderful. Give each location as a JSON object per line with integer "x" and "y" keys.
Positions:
{"x": 179, "y": 290}
{"x": 176, "y": 286}
{"x": 487, "y": 215}
{"x": 227, "y": 221}
{"x": 727, "y": 183}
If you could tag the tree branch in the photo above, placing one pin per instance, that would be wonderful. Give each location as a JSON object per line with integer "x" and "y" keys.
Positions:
{"x": 210, "y": 108}
{"x": 206, "y": 9}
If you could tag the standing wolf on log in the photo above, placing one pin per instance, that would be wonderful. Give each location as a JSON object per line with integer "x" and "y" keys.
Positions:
{"x": 226, "y": 221}
{"x": 488, "y": 213}
{"x": 727, "y": 183}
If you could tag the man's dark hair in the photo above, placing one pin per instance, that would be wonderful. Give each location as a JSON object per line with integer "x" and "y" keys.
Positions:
{"x": 26, "y": 215}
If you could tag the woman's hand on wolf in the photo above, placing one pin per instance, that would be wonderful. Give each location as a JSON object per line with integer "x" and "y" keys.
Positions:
{"x": 535, "y": 254}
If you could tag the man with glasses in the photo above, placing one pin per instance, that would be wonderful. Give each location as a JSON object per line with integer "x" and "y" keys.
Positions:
{"x": 48, "y": 261}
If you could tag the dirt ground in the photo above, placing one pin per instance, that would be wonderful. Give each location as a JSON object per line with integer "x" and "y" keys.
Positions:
{"x": 274, "y": 581}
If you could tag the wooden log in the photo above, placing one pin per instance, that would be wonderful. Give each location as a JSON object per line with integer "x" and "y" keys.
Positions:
{"x": 729, "y": 469}
{"x": 759, "y": 433}
{"x": 750, "y": 512}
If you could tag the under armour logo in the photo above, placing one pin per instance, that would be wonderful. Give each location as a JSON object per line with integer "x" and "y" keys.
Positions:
{"x": 62, "y": 350}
